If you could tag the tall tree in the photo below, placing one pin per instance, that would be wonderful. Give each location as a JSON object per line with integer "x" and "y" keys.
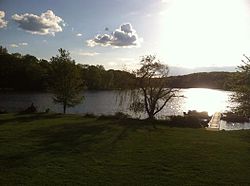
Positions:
{"x": 240, "y": 84}
{"x": 65, "y": 80}
{"x": 153, "y": 93}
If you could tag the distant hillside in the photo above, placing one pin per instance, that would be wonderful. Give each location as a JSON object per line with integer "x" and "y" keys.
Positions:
{"x": 216, "y": 80}
{"x": 26, "y": 72}
{"x": 176, "y": 71}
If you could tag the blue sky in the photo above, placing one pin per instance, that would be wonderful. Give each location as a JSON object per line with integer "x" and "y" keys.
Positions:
{"x": 115, "y": 33}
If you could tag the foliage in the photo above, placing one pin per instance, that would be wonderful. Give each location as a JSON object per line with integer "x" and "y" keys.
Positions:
{"x": 240, "y": 84}
{"x": 3, "y": 50}
{"x": 200, "y": 115}
{"x": 153, "y": 93}
{"x": 96, "y": 78}
{"x": 18, "y": 72}
{"x": 23, "y": 72}
{"x": 216, "y": 80}
{"x": 31, "y": 109}
{"x": 65, "y": 80}
{"x": 26, "y": 72}
{"x": 117, "y": 115}
{"x": 185, "y": 121}
{"x": 235, "y": 118}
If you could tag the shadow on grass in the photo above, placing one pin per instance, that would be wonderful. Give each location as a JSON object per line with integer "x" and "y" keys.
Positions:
{"x": 122, "y": 134}
{"x": 30, "y": 117}
{"x": 56, "y": 141}
{"x": 70, "y": 138}
{"x": 245, "y": 136}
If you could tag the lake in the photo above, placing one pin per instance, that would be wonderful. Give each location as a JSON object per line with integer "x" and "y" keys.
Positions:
{"x": 107, "y": 102}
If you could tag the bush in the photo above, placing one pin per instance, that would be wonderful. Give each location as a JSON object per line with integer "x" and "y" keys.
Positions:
{"x": 118, "y": 115}
{"x": 2, "y": 111}
{"x": 88, "y": 115}
{"x": 31, "y": 109}
{"x": 233, "y": 117}
{"x": 121, "y": 115}
{"x": 199, "y": 115}
{"x": 185, "y": 121}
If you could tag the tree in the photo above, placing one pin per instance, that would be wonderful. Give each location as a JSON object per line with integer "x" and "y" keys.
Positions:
{"x": 153, "y": 93}
{"x": 240, "y": 84}
{"x": 3, "y": 50}
{"x": 65, "y": 80}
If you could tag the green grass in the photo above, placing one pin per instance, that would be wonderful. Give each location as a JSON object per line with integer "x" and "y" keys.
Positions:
{"x": 50, "y": 149}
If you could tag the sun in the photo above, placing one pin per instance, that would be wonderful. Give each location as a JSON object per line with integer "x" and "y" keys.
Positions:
{"x": 205, "y": 32}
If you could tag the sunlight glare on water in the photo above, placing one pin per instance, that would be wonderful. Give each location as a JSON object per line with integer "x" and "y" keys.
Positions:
{"x": 202, "y": 99}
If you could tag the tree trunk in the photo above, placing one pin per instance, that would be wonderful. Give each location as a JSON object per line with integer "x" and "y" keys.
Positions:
{"x": 151, "y": 118}
{"x": 64, "y": 108}
{"x": 151, "y": 115}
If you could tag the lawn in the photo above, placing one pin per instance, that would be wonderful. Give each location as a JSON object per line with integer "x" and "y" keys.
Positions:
{"x": 54, "y": 149}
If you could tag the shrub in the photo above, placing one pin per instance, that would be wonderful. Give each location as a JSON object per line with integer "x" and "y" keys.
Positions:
{"x": 118, "y": 115}
{"x": 185, "y": 121}
{"x": 31, "y": 109}
{"x": 2, "y": 111}
{"x": 233, "y": 117}
{"x": 199, "y": 115}
{"x": 121, "y": 115}
{"x": 88, "y": 115}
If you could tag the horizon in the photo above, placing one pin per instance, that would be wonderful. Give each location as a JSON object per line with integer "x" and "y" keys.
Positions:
{"x": 188, "y": 36}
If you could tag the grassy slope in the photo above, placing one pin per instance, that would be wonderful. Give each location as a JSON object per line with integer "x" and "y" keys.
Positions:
{"x": 72, "y": 150}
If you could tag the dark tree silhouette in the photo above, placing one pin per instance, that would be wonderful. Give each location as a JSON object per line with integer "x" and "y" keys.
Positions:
{"x": 65, "y": 80}
{"x": 240, "y": 84}
{"x": 3, "y": 50}
{"x": 153, "y": 93}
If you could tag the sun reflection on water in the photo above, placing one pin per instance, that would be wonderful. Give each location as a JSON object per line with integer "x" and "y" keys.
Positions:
{"x": 202, "y": 99}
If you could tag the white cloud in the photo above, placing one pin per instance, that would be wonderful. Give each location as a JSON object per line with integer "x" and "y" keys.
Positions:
{"x": 148, "y": 15}
{"x": 162, "y": 13}
{"x": 88, "y": 53}
{"x": 112, "y": 64}
{"x": 3, "y": 23}
{"x": 125, "y": 37}
{"x": 14, "y": 45}
{"x": 129, "y": 63}
{"x": 79, "y": 34}
{"x": 165, "y": 1}
{"x": 23, "y": 44}
{"x": 45, "y": 24}
{"x": 123, "y": 59}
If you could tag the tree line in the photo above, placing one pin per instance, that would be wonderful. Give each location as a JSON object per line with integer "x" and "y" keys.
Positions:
{"x": 152, "y": 86}
{"x": 214, "y": 80}
{"x": 66, "y": 79}
{"x": 26, "y": 72}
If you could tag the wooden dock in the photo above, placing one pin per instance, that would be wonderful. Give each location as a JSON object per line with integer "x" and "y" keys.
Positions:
{"x": 214, "y": 124}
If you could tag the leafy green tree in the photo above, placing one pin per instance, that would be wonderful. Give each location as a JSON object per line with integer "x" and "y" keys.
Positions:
{"x": 153, "y": 93}
{"x": 240, "y": 84}
{"x": 65, "y": 80}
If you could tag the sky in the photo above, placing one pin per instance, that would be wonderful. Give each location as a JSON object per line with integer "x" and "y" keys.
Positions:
{"x": 185, "y": 34}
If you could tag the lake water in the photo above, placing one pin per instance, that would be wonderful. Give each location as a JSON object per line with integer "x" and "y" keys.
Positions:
{"x": 107, "y": 102}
